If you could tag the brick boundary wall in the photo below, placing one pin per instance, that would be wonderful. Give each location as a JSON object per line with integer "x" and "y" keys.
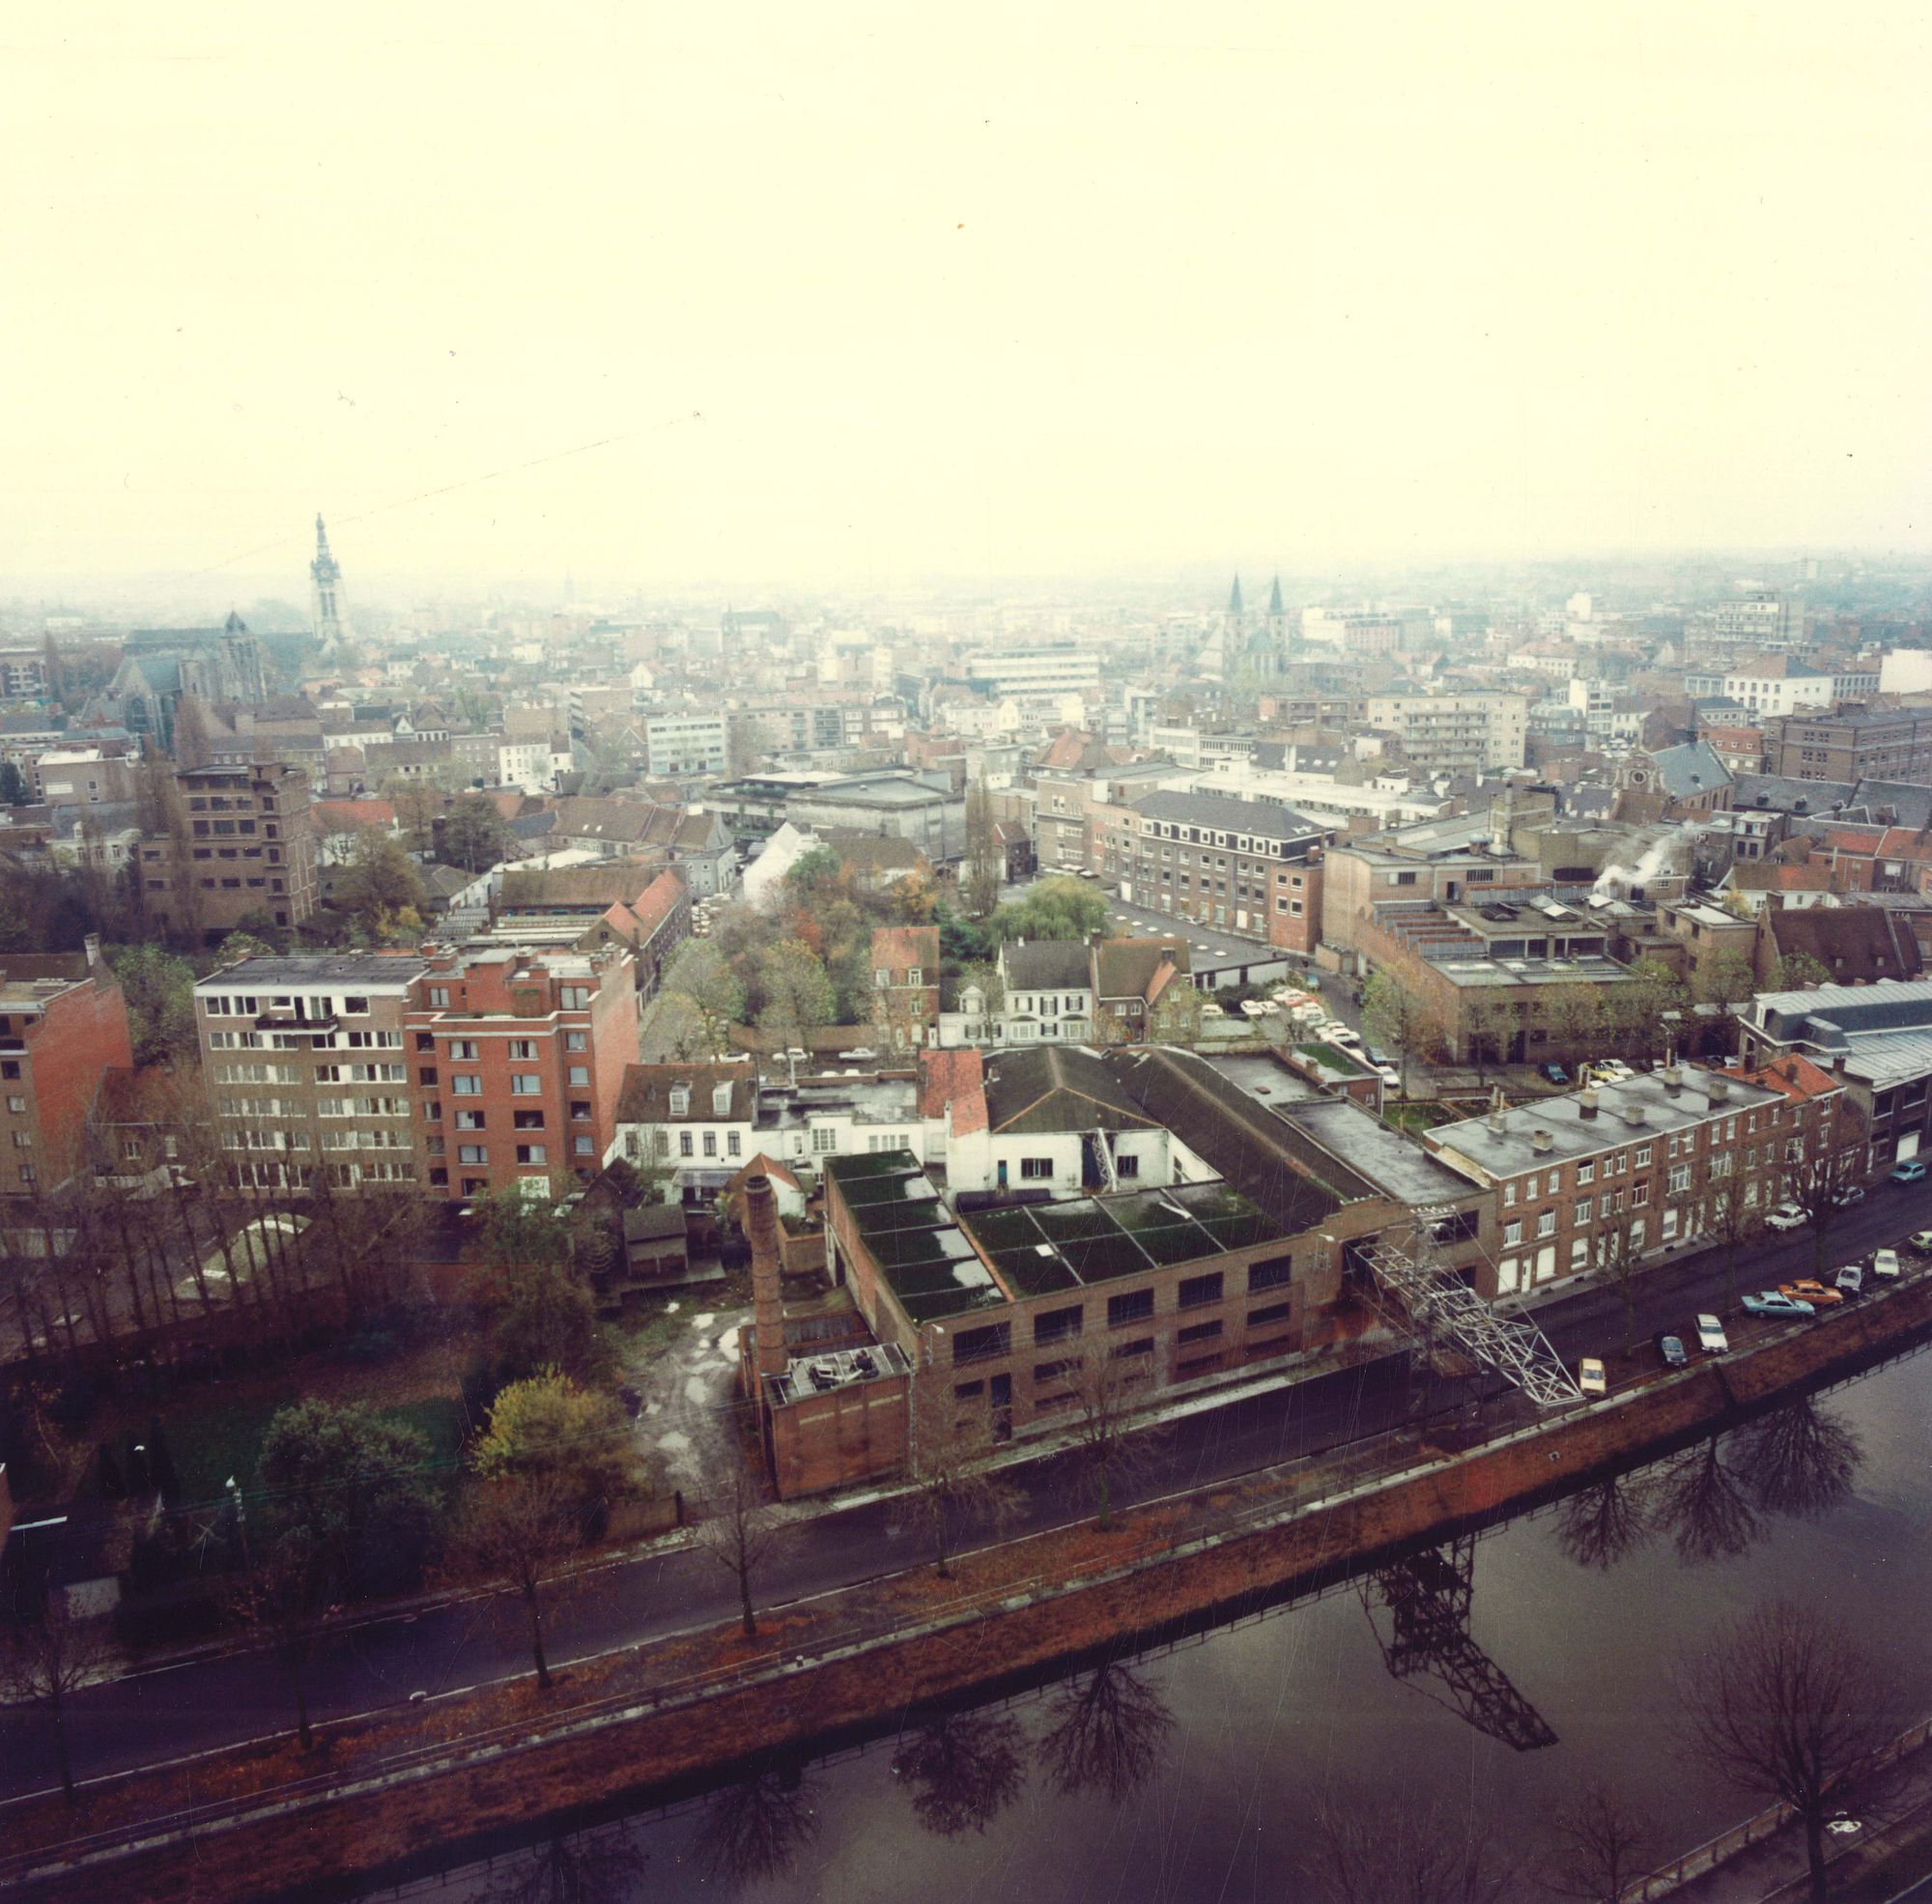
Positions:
{"x": 823, "y": 1680}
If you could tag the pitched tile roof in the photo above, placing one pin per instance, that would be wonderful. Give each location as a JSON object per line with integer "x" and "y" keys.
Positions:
{"x": 1057, "y": 1088}
{"x": 1045, "y": 965}
{"x": 1137, "y": 968}
{"x": 1856, "y": 945}
{"x": 645, "y": 1096}
{"x": 956, "y": 1079}
{"x": 903, "y": 948}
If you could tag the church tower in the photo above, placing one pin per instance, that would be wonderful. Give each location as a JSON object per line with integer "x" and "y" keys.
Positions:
{"x": 327, "y": 610}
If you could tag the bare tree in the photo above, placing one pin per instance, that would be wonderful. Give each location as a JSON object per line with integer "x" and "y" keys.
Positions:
{"x": 1602, "y": 1523}
{"x": 1699, "y": 1497}
{"x": 1786, "y": 1707}
{"x": 961, "y": 1769}
{"x": 1799, "y": 1459}
{"x": 1605, "y": 1848}
{"x": 1368, "y": 1853}
{"x": 1107, "y": 1732}
{"x": 1819, "y": 1180}
{"x": 595, "y": 1866}
{"x": 284, "y": 1596}
{"x": 950, "y": 1479}
{"x": 1737, "y": 1222}
{"x": 520, "y": 1528}
{"x": 49, "y": 1659}
{"x": 755, "y": 1828}
{"x": 739, "y": 1535}
{"x": 985, "y": 866}
{"x": 1108, "y": 1386}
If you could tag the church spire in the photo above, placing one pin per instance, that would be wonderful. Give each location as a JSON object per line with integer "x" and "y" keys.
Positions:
{"x": 1275, "y": 609}
{"x": 1235, "y": 597}
{"x": 326, "y": 608}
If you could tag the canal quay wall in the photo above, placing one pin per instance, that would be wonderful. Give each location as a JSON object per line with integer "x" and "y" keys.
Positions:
{"x": 384, "y": 1798}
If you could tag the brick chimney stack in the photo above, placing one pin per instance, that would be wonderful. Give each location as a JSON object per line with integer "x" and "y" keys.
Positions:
{"x": 761, "y": 1227}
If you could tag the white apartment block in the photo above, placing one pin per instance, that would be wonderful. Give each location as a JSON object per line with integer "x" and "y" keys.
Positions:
{"x": 678, "y": 744}
{"x": 1457, "y": 734}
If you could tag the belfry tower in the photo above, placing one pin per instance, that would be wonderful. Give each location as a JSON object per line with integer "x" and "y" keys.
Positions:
{"x": 326, "y": 608}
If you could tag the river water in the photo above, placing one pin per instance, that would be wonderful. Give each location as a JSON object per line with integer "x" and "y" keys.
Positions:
{"x": 1202, "y": 1772}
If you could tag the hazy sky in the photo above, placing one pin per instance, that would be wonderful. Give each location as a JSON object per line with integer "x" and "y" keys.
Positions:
{"x": 1045, "y": 288}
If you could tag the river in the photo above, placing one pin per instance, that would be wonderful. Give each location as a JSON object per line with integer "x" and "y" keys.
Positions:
{"x": 1201, "y": 1772}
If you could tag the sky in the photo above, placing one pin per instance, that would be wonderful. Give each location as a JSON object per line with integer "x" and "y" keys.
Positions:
{"x": 786, "y": 294}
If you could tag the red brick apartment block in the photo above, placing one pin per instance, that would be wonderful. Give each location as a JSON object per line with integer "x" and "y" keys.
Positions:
{"x": 63, "y": 1025}
{"x": 517, "y": 1059}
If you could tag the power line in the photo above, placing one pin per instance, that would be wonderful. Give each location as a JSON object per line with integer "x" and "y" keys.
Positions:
{"x": 466, "y": 482}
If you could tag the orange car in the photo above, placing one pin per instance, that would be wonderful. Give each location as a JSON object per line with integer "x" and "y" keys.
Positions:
{"x": 1812, "y": 1292}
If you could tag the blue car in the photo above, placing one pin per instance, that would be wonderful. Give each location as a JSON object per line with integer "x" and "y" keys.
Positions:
{"x": 1909, "y": 1172}
{"x": 1556, "y": 1075}
{"x": 1769, "y": 1303}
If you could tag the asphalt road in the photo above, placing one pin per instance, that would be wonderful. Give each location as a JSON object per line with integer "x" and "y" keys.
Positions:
{"x": 170, "y": 1711}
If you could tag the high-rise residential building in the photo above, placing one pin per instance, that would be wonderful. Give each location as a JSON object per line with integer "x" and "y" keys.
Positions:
{"x": 685, "y": 743}
{"x": 63, "y": 1026}
{"x": 1760, "y": 618}
{"x": 517, "y": 1062}
{"x": 308, "y": 1069}
{"x": 241, "y": 842}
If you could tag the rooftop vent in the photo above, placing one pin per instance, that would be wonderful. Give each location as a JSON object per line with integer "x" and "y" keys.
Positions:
{"x": 1542, "y": 1141}
{"x": 1634, "y": 1114}
{"x": 1720, "y": 1088}
{"x": 1586, "y": 1103}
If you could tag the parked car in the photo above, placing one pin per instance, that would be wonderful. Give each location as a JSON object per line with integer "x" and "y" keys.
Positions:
{"x": 1389, "y": 1076}
{"x": 1808, "y": 1289}
{"x": 1851, "y": 1279}
{"x": 1774, "y": 1302}
{"x": 1911, "y": 1171}
{"x": 1251, "y": 1007}
{"x": 1885, "y": 1262}
{"x": 1345, "y": 1035}
{"x": 1556, "y": 1075}
{"x": 1786, "y": 1216}
{"x": 1851, "y": 1194}
{"x": 1212, "y": 1011}
{"x": 1921, "y": 1241}
{"x": 1377, "y": 1057}
{"x": 1670, "y": 1350}
{"x": 1591, "y": 1378}
{"x": 1711, "y": 1336}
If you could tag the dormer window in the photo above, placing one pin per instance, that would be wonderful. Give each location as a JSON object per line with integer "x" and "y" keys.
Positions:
{"x": 721, "y": 1100}
{"x": 680, "y": 1100}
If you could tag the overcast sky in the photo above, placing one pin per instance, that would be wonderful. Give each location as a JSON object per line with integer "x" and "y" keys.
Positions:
{"x": 842, "y": 292}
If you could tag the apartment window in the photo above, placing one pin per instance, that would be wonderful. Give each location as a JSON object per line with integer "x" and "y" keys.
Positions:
{"x": 580, "y": 1109}
{"x": 469, "y": 1121}
{"x": 439, "y": 995}
{"x": 1198, "y": 1291}
{"x": 1136, "y": 1306}
{"x": 1680, "y": 1178}
{"x": 1546, "y": 1223}
{"x": 16, "y": 1103}
{"x": 1058, "y": 1325}
{"x": 525, "y": 1084}
{"x": 1644, "y": 1156}
{"x": 581, "y": 1147}
{"x": 426, "y": 1075}
{"x": 1513, "y": 1234}
{"x": 912, "y": 975}
{"x": 982, "y": 1344}
{"x": 580, "y": 1074}
{"x": 1272, "y": 1274}
{"x": 356, "y": 1006}
{"x": 576, "y": 1041}
{"x": 1275, "y": 1312}
{"x": 1587, "y": 1173}
{"x": 1509, "y": 1195}
{"x": 472, "y": 1154}
{"x": 463, "y": 1051}
{"x": 710, "y": 1143}
{"x": 574, "y": 998}
{"x": 1580, "y": 1252}
{"x": 824, "y": 1138}
{"x": 1584, "y": 1211}
{"x": 733, "y": 1144}
{"x": 528, "y": 1119}
{"x": 532, "y": 1154}
{"x": 1639, "y": 1195}
{"x": 684, "y": 1145}
{"x": 524, "y": 1048}
{"x": 466, "y": 1083}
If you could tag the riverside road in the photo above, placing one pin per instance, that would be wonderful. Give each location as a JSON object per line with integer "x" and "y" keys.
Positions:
{"x": 166, "y": 1711}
